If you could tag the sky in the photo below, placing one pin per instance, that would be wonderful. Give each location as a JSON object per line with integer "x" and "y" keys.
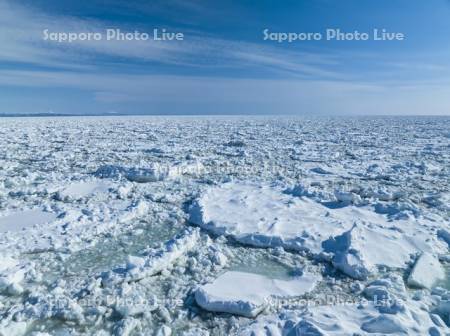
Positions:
{"x": 224, "y": 65}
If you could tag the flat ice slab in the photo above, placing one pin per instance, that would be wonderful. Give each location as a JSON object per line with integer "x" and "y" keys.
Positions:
{"x": 79, "y": 190}
{"x": 25, "y": 219}
{"x": 426, "y": 272}
{"x": 248, "y": 294}
{"x": 356, "y": 238}
{"x": 264, "y": 217}
{"x": 357, "y": 252}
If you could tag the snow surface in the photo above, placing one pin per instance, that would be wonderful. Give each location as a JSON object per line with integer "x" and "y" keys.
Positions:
{"x": 426, "y": 272}
{"x": 248, "y": 294}
{"x": 153, "y": 173}
{"x": 12, "y": 273}
{"x": 109, "y": 209}
{"x": 358, "y": 238}
{"x": 82, "y": 189}
{"x": 395, "y": 314}
{"x": 262, "y": 216}
{"x": 25, "y": 219}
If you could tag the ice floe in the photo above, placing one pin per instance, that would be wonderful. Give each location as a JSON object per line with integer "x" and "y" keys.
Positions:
{"x": 12, "y": 328}
{"x": 248, "y": 294}
{"x": 358, "y": 251}
{"x": 388, "y": 311}
{"x": 263, "y": 216}
{"x": 152, "y": 173}
{"x": 79, "y": 190}
{"x": 355, "y": 201}
{"x": 357, "y": 239}
{"x": 155, "y": 260}
{"x": 12, "y": 273}
{"x": 69, "y": 228}
{"x": 25, "y": 219}
{"x": 426, "y": 272}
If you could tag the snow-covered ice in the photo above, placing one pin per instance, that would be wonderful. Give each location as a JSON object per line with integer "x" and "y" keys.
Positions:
{"x": 389, "y": 311}
{"x": 186, "y": 225}
{"x": 358, "y": 238}
{"x": 248, "y": 294}
{"x": 24, "y": 219}
{"x": 426, "y": 272}
{"x": 157, "y": 259}
{"x": 82, "y": 189}
{"x": 12, "y": 273}
{"x": 263, "y": 216}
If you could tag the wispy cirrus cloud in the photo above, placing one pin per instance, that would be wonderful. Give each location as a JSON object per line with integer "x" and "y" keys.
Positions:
{"x": 212, "y": 71}
{"x": 22, "y": 41}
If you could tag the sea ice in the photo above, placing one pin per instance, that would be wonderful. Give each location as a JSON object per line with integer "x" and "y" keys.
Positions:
{"x": 12, "y": 328}
{"x": 156, "y": 260}
{"x": 79, "y": 190}
{"x": 389, "y": 312}
{"x": 152, "y": 173}
{"x": 357, "y": 238}
{"x": 358, "y": 251}
{"x": 363, "y": 196}
{"x": 426, "y": 272}
{"x": 248, "y": 294}
{"x": 25, "y": 219}
{"x": 12, "y": 273}
{"x": 265, "y": 217}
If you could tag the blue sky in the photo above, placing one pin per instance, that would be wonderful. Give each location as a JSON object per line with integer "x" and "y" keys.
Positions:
{"x": 223, "y": 65}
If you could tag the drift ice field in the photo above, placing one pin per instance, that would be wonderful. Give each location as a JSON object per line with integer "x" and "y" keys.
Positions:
{"x": 225, "y": 226}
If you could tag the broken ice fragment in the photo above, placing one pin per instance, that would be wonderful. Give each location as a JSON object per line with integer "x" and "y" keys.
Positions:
{"x": 426, "y": 272}
{"x": 252, "y": 294}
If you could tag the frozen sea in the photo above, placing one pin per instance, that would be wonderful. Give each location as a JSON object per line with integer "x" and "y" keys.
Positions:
{"x": 225, "y": 226}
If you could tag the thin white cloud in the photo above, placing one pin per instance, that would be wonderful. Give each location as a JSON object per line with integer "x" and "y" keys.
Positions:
{"x": 306, "y": 82}
{"x": 22, "y": 41}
